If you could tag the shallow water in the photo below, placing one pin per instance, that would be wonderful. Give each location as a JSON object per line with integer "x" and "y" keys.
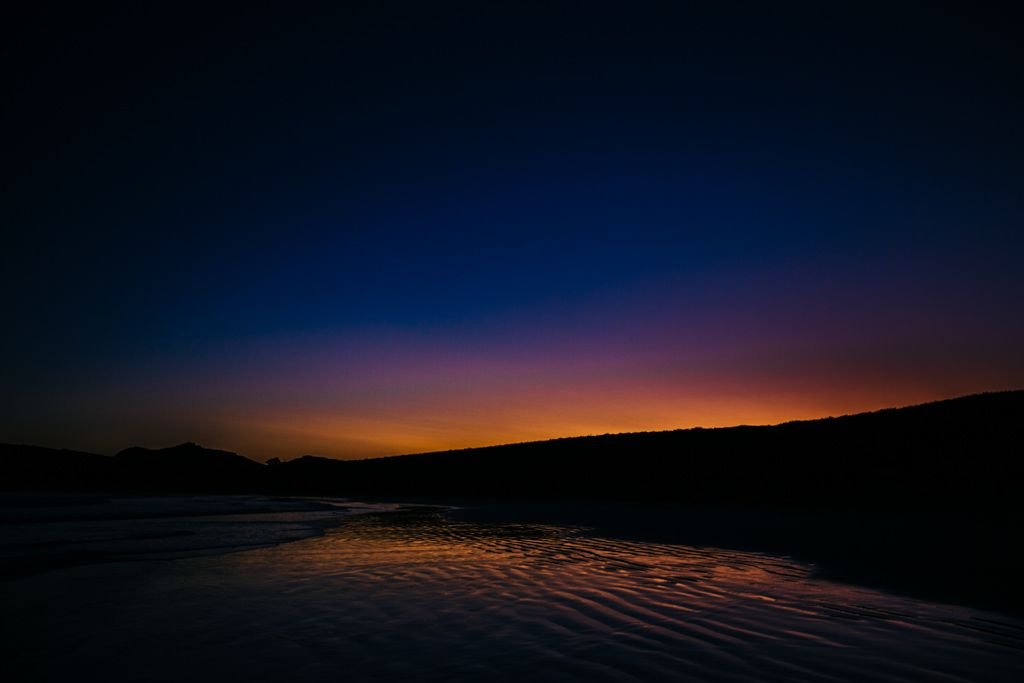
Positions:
{"x": 414, "y": 595}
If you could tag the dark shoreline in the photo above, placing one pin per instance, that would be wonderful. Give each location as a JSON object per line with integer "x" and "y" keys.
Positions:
{"x": 413, "y": 592}
{"x": 969, "y": 558}
{"x": 163, "y": 526}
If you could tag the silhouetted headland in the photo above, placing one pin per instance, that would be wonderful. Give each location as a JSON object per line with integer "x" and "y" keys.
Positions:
{"x": 942, "y": 453}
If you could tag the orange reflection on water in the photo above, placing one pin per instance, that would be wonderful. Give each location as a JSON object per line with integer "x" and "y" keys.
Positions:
{"x": 500, "y": 600}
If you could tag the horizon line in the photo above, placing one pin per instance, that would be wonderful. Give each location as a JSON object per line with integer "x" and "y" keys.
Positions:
{"x": 555, "y": 438}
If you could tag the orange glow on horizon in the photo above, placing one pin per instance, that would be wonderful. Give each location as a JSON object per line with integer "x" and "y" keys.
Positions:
{"x": 353, "y": 437}
{"x": 349, "y": 399}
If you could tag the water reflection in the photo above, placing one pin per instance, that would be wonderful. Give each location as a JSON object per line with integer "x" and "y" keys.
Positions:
{"x": 418, "y": 596}
{"x": 530, "y": 600}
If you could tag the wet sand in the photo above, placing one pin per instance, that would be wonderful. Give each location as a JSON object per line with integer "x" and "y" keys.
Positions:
{"x": 420, "y": 594}
{"x": 958, "y": 554}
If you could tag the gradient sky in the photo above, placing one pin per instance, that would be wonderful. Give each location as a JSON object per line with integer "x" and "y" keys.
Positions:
{"x": 382, "y": 231}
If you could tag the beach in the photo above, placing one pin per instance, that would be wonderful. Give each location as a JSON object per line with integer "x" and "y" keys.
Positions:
{"x": 377, "y": 591}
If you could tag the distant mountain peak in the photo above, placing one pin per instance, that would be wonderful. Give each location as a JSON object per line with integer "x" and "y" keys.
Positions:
{"x": 184, "y": 447}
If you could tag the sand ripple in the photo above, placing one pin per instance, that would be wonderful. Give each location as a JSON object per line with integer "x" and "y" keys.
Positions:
{"x": 418, "y": 596}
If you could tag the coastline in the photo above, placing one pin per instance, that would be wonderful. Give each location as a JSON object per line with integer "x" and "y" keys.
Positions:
{"x": 411, "y": 593}
{"x": 46, "y": 531}
{"x": 965, "y": 558}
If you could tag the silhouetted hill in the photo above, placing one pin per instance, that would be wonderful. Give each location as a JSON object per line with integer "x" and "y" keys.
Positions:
{"x": 937, "y": 453}
{"x": 942, "y": 453}
{"x": 183, "y": 468}
{"x": 33, "y": 467}
{"x": 188, "y": 466}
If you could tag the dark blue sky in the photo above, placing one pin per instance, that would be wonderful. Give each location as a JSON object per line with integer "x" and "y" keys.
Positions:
{"x": 180, "y": 183}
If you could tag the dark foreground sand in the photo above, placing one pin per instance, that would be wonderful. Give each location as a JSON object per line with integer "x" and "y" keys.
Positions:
{"x": 377, "y": 593}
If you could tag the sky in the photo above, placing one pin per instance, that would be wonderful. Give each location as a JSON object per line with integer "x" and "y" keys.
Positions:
{"x": 377, "y": 230}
